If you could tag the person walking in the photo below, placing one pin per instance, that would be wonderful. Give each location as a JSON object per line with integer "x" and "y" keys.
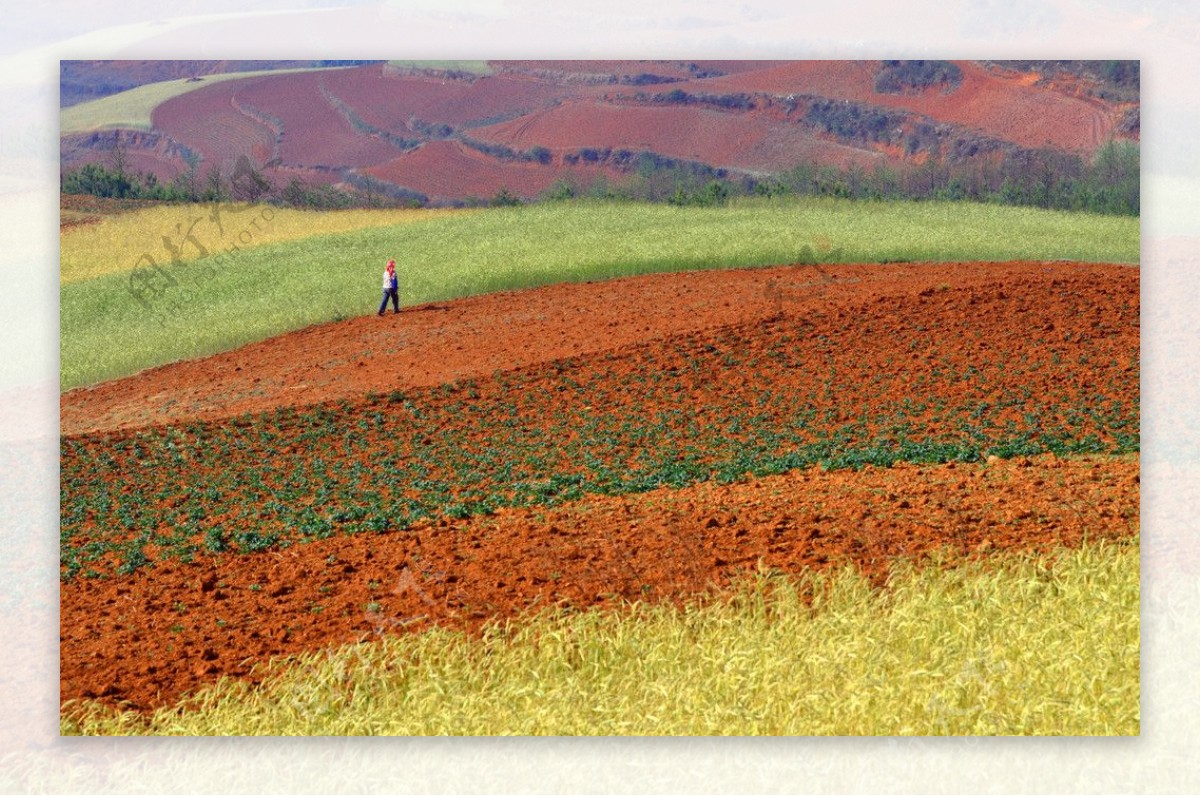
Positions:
{"x": 391, "y": 288}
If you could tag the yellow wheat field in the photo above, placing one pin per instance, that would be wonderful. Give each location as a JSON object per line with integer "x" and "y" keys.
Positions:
{"x": 180, "y": 233}
{"x": 1014, "y": 645}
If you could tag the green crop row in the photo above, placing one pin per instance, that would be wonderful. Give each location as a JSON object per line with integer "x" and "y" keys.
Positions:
{"x": 615, "y": 423}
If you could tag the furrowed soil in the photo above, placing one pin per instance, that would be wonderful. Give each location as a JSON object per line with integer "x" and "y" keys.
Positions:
{"x": 586, "y": 445}
{"x": 437, "y": 343}
{"x": 146, "y": 640}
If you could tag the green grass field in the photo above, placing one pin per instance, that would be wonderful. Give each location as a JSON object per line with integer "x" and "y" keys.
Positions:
{"x": 256, "y": 291}
{"x": 1013, "y": 645}
{"x": 105, "y": 246}
{"x": 131, "y": 109}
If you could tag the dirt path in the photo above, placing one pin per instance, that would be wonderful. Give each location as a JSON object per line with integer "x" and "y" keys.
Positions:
{"x": 436, "y": 343}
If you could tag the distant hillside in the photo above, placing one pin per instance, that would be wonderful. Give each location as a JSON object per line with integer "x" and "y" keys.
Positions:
{"x": 462, "y": 132}
{"x": 1109, "y": 80}
{"x": 80, "y": 81}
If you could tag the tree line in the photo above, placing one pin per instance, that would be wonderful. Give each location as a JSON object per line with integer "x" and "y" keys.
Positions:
{"x": 1108, "y": 183}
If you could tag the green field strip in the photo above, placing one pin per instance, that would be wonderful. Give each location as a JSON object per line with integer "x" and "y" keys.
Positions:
{"x": 118, "y": 324}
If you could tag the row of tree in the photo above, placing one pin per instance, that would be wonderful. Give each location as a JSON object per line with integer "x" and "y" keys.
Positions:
{"x": 245, "y": 183}
{"x": 1108, "y": 183}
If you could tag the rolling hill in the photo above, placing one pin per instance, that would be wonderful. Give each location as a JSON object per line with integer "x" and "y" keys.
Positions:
{"x": 443, "y": 133}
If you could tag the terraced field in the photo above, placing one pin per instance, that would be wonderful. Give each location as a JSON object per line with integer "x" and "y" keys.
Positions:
{"x": 747, "y": 141}
{"x": 998, "y": 104}
{"x": 529, "y": 124}
{"x": 446, "y": 168}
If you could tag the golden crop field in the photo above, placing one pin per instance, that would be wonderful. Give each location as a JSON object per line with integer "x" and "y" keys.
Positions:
{"x": 1020, "y": 645}
{"x": 172, "y": 234}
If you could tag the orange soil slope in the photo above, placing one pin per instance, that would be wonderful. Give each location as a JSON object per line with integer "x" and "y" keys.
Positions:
{"x": 435, "y": 343}
{"x": 1001, "y": 106}
{"x": 150, "y": 636}
{"x": 147, "y": 639}
{"x": 752, "y": 141}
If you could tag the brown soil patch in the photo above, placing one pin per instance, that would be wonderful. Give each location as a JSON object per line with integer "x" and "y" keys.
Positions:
{"x": 752, "y": 141}
{"x": 988, "y": 101}
{"x": 147, "y": 639}
{"x": 437, "y": 343}
{"x": 76, "y": 209}
{"x": 448, "y": 169}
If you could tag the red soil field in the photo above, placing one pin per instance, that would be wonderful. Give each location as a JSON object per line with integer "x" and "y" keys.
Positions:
{"x": 210, "y": 122}
{"x": 722, "y": 139}
{"x": 321, "y": 124}
{"x": 436, "y": 343}
{"x": 314, "y": 132}
{"x": 145, "y": 639}
{"x": 1005, "y": 107}
{"x": 392, "y": 100}
{"x": 262, "y": 118}
{"x": 449, "y": 170}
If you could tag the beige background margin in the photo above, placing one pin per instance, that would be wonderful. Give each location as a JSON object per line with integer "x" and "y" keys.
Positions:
{"x": 1164, "y": 34}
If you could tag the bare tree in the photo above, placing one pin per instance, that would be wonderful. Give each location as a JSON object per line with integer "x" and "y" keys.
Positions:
{"x": 118, "y": 157}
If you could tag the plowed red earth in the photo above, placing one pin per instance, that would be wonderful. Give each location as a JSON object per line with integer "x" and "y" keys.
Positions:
{"x": 738, "y": 140}
{"x": 447, "y": 169}
{"x": 988, "y": 101}
{"x": 147, "y": 639}
{"x": 393, "y": 99}
{"x": 210, "y": 121}
{"x": 436, "y": 343}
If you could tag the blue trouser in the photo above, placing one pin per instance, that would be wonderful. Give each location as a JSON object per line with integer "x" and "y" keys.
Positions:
{"x": 394, "y": 294}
